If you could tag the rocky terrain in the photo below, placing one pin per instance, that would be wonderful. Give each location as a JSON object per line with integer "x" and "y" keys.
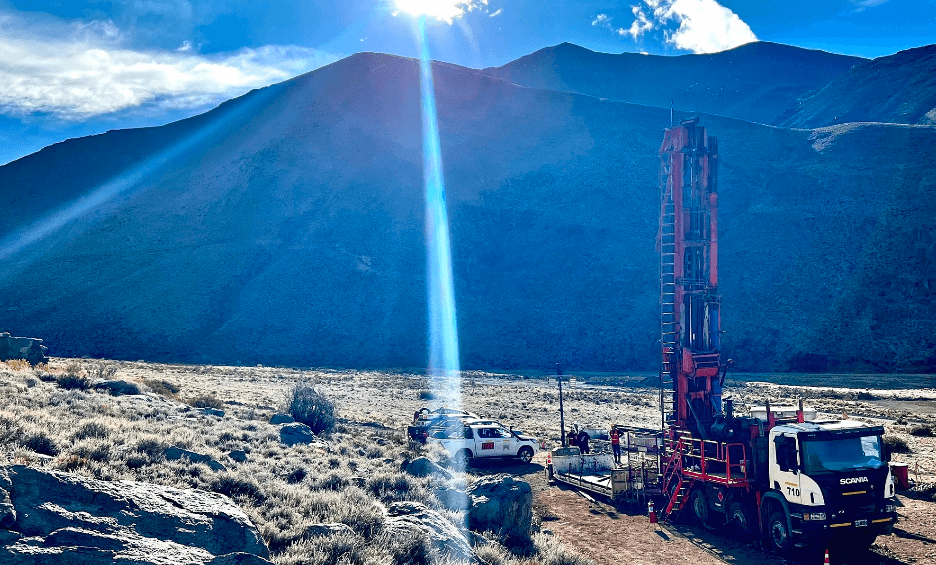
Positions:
{"x": 286, "y": 227}
{"x": 97, "y": 471}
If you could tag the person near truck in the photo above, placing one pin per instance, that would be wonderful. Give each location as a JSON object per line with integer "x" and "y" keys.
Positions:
{"x": 582, "y": 441}
{"x": 616, "y": 444}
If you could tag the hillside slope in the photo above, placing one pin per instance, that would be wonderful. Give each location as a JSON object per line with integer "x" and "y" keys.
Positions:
{"x": 900, "y": 88}
{"x": 286, "y": 227}
{"x": 756, "y": 82}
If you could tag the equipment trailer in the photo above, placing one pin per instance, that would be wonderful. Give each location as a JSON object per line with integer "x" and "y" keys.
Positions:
{"x": 634, "y": 479}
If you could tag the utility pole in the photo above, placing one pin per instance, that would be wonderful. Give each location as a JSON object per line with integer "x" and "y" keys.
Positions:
{"x": 561, "y": 412}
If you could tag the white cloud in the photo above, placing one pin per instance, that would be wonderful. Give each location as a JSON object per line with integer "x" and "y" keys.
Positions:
{"x": 700, "y": 26}
{"x": 86, "y": 72}
{"x": 604, "y": 21}
{"x": 442, "y": 10}
{"x": 496, "y": 13}
{"x": 865, "y": 4}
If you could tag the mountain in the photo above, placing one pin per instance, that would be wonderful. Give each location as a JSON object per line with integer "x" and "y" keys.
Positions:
{"x": 286, "y": 227}
{"x": 900, "y": 88}
{"x": 756, "y": 82}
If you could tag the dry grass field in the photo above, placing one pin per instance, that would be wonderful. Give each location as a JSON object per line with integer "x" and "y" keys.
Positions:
{"x": 48, "y": 417}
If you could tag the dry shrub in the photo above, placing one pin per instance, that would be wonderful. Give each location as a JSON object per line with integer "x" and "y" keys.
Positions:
{"x": 41, "y": 443}
{"x": 69, "y": 463}
{"x": 91, "y": 429}
{"x": 897, "y": 444}
{"x": 206, "y": 401}
{"x": 552, "y": 552}
{"x": 341, "y": 548}
{"x": 237, "y": 485}
{"x": 922, "y": 431}
{"x": 18, "y": 365}
{"x": 163, "y": 387}
{"x": 101, "y": 371}
{"x": 310, "y": 407}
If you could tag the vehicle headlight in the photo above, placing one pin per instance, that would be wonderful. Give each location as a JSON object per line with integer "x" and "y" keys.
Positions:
{"x": 890, "y": 508}
{"x": 814, "y": 516}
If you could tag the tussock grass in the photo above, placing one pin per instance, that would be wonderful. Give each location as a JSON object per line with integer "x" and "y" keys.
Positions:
{"x": 283, "y": 489}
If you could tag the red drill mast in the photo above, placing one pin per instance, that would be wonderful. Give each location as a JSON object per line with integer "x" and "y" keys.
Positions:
{"x": 691, "y": 373}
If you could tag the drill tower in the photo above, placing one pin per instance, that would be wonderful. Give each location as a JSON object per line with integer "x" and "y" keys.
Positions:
{"x": 691, "y": 372}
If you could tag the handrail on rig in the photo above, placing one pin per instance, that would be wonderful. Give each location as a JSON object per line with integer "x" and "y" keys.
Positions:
{"x": 697, "y": 456}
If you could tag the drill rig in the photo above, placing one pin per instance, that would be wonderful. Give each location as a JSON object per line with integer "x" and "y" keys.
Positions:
{"x": 778, "y": 472}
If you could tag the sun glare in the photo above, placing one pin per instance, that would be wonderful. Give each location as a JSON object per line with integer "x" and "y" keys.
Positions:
{"x": 442, "y": 10}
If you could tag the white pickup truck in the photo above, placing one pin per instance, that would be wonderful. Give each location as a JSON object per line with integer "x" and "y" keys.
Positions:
{"x": 484, "y": 439}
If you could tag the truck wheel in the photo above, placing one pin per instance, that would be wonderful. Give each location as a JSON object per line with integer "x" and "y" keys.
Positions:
{"x": 737, "y": 513}
{"x": 778, "y": 534}
{"x": 525, "y": 454}
{"x": 461, "y": 458}
{"x": 699, "y": 506}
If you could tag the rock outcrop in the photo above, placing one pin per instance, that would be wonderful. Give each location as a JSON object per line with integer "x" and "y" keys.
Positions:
{"x": 174, "y": 453}
{"x": 501, "y": 504}
{"x": 442, "y": 536}
{"x": 67, "y": 518}
{"x": 28, "y": 348}
{"x": 294, "y": 433}
{"x": 423, "y": 467}
{"x": 277, "y": 419}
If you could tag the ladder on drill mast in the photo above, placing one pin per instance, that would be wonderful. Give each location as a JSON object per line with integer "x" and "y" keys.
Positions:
{"x": 668, "y": 321}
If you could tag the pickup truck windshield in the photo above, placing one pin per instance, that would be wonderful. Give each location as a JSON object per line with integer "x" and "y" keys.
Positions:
{"x": 842, "y": 454}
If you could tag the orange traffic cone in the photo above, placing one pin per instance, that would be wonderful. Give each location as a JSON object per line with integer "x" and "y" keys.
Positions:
{"x": 826, "y": 562}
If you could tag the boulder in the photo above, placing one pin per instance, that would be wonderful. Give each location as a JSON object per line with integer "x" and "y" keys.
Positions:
{"x": 423, "y": 467}
{"x": 277, "y": 419}
{"x": 501, "y": 504}
{"x": 212, "y": 412}
{"x": 174, "y": 453}
{"x": 27, "y": 348}
{"x": 118, "y": 387}
{"x": 238, "y": 455}
{"x": 442, "y": 536}
{"x": 294, "y": 433}
{"x": 67, "y": 518}
{"x": 451, "y": 498}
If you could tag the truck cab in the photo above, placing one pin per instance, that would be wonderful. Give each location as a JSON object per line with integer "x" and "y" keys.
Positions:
{"x": 483, "y": 439}
{"x": 827, "y": 480}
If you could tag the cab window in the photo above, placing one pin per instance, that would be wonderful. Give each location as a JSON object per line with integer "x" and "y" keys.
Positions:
{"x": 786, "y": 453}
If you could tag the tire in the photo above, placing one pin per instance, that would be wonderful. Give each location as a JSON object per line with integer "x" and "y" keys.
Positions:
{"x": 525, "y": 454}
{"x": 778, "y": 533}
{"x": 700, "y": 511}
{"x": 739, "y": 515}
{"x": 461, "y": 459}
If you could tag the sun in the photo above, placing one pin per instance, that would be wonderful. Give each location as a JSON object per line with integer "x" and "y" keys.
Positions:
{"x": 442, "y": 10}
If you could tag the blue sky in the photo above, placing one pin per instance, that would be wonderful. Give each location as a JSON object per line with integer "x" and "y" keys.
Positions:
{"x": 73, "y": 68}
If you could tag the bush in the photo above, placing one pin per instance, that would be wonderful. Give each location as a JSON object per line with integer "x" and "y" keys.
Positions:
{"x": 41, "y": 443}
{"x": 206, "y": 401}
{"x": 896, "y": 444}
{"x": 73, "y": 381}
{"x": 101, "y": 371}
{"x": 312, "y": 408}
{"x": 163, "y": 387}
{"x": 91, "y": 429}
{"x": 922, "y": 431}
{"x": 426, "y": 395}
{"x": 237, "y": 485}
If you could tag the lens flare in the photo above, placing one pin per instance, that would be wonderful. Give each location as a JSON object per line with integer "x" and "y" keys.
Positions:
{"x": 445, "y": 377}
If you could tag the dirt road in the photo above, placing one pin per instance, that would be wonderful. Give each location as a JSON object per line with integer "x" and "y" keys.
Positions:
{"x": 611, "y": 536}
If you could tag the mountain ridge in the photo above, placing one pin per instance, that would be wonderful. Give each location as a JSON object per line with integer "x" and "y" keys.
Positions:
{"x": 261, "y": 245}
